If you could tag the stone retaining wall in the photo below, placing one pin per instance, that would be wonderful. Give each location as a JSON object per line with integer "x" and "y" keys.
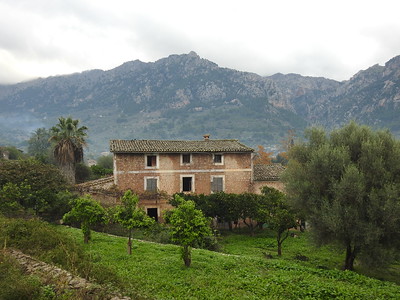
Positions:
{"x": 62, "y": 279}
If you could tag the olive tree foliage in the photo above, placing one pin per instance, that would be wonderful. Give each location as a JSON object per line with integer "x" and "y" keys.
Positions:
{"x": 188, "y": 226}
{"x": 87, "y": 212}
{"x": 347, "y": 185}
{"x": 130, "y": 216}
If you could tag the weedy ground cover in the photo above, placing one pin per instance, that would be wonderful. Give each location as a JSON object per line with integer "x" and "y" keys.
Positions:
{"x": 241, "y": 271}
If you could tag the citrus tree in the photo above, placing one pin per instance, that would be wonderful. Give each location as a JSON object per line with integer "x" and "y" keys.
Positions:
{"x": 130, "y": 216}
{"x": 188, "y": 226}
{"x": 87, "y": 212}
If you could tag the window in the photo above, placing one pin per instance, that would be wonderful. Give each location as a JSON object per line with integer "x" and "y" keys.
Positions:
{"x": 187, "y": 183}
{"x": 186, "y": 158}
{"x": 151, "y": 184}
{"x": 218, "y": 159}
{"x": 151, "y": 161}
{"x": 217, "y": 184}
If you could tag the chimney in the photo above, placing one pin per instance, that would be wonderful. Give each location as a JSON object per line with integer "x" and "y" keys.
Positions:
{"x": 206, "y": 137}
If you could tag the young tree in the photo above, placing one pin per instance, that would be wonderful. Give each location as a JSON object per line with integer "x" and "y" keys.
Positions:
{"x": 347, "y": 184}
{"x": 189, "y": 225}
{"x": 87, "y": 212}
{"x": 277, "y": 214}
{"x": 69, "y": 140}
{"x": 130, "y": 216}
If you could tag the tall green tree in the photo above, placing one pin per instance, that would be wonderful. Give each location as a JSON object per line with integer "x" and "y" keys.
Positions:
{"x": 130, "y": 216}
{"x": 69, "y": 140}
{"x": 347, "y": 185}
{"x": 87, "y": 212}
{"x": 39, "y": 145}
{"x": 188, "y": 226}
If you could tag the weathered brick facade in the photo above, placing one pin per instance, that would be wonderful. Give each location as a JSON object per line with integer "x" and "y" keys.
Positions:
{"x": 155, "y": 170}
{"x": 130, "y": 172}
{"x": 170, "y": 167}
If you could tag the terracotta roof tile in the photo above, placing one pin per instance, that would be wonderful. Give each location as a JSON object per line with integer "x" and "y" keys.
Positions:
{"x": 271, "y": 172}
{"x": 165, "y": 146}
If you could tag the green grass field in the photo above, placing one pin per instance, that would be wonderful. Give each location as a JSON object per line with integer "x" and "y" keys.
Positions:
{"x": 240, "y": 271}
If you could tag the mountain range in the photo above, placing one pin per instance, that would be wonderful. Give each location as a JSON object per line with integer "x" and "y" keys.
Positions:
{"x": 186, "y": 96}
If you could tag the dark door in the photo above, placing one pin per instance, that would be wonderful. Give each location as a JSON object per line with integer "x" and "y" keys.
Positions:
{"x": 153, "y": 213}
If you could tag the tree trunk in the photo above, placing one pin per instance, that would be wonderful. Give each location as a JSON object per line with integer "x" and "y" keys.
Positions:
{"x": 278, "y": 239}
{"x": 230, "y": 225}
{"x": 86, "y": 232}
{"x": 186, "y": 255}
{"x": 350, "y": 257}
{"x": 279, "y": 249}
{"x": 68, "y": 170}
{"x": 130, "y": 242}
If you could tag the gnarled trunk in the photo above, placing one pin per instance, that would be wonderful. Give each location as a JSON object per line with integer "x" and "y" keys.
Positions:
{"x": 351, "y": 253}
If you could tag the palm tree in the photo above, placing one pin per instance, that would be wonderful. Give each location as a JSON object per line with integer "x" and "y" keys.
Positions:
{"x": 69, "y": 141}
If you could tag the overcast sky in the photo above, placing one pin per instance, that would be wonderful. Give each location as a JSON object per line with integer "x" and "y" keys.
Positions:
{"x": 333, "y": 39}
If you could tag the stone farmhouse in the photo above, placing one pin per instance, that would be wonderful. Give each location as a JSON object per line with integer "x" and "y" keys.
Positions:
{"x": 156, "y": 169}
{"x": 206, "y": 166}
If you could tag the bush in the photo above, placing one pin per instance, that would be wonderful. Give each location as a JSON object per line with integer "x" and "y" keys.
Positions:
{"x": 41, "y": 240}
{"x": 35, "y": 185}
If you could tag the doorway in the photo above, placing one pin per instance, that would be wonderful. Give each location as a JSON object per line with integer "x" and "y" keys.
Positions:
{"x": 153, "y": 213}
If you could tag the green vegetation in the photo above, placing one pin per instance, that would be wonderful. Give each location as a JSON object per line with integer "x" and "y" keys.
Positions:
{"x": 130, "y": 216}
{"x": 87, "y": 212}
{"x": 153, "y": 270}
{"x": 29, "y": 186}
{"x": 69, "y": 140}
{"x": 39, "y": 146}
{"x": 277, "y": 215}
{"x": 189, "y": 226}
{"x": 243, "y": 270}
{"x": 347, "y": 185}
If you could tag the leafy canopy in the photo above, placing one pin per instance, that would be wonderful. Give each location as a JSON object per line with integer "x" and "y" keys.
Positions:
{"x": 129, "y": 215}
{"x": 87, "y": 212}
{"x": 188, "y": 226}
{"x": 347, "y": 184}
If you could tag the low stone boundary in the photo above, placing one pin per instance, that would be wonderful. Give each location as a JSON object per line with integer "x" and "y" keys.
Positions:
{"x": 59, "y": 277}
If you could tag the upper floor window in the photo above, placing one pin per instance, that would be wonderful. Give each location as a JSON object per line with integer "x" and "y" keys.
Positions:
{"x": 151, "y": 184}
{"x": 217, "y": 184}
{"x": 187, "y": 183}
{"x": 186, "y": 158}
{"x": 151, "y": 161}
{"x": 218, "y": 159}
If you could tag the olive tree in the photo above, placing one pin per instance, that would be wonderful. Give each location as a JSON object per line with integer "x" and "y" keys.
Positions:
{"x": 347, "y": 185}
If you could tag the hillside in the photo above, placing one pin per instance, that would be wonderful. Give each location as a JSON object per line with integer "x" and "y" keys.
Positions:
{"x": 185, "y": 96}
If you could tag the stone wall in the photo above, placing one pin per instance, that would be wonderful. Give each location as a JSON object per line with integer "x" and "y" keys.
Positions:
{"x": 62, "y": 279}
